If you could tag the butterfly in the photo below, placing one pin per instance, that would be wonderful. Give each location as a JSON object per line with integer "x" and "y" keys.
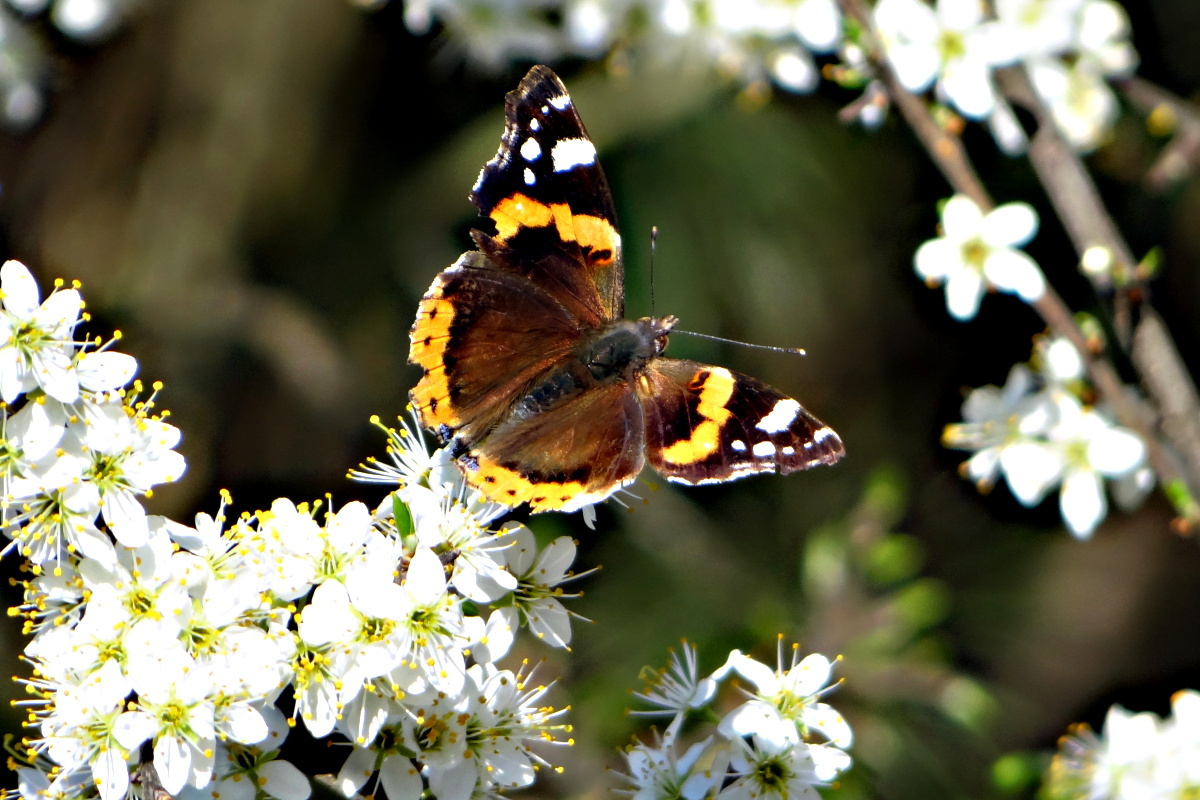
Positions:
{"x": 544, "y": 393}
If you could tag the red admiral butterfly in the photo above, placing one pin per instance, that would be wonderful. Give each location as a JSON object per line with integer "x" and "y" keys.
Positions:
{"x": 544, "y": 393}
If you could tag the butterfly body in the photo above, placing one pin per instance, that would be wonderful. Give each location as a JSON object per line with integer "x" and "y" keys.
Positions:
{"x": 541, "y": 388}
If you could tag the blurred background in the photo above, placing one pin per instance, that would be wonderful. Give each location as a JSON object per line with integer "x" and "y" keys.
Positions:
{"x": 257, "y": 194}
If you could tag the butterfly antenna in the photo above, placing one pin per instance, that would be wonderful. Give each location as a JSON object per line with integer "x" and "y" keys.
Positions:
{"x": 795, "y": 351}
{"x": 653, "y": 247}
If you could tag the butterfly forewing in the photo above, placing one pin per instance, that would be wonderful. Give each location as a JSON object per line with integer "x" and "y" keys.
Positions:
{"x": 547, "y": 195}
{"x": 709, "y": 424}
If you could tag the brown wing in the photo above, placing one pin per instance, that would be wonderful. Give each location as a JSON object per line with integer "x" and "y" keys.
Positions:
{"x": 572, "y": 455}
{"x": 551, "y": 204}
{"x": 709, "y": 424}
{"x": 483, "y": 335}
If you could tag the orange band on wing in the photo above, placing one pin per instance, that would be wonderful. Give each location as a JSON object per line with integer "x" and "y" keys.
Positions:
{"x": 598, "y": 234}
{"x": 428, "y": 341}
{"x": 507, "y": 487}
{"x": 521, "y": 211}
{"x": 513, "y": 213}
{"x": 715, "y": 386}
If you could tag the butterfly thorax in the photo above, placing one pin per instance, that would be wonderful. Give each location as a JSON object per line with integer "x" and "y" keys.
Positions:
{"x": 621, "y": 348}
{"x": 610, "y": 354}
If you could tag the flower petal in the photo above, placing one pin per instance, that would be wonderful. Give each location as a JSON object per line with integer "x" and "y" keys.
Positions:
{"x": 400, "y": 778}
{"x": 282, "y": 780}
{"x": 936, "y": 259}
{"x": 1031, "y": 468}
{"x": 1014, "y": 271}
{"x": 1082, "y": 502}
{"x": 963, "y": 293}
{"x": 959, "y": 15}
{"x": 1010, "y": 225}
{"x": 968, "y": 84}
{"x": 916, "y": 65}
{"x": 819, "y": 24}
{"x": 1115, "y": 451}
{"x": 19, "y": 289}
{"x": 961, "y": 218}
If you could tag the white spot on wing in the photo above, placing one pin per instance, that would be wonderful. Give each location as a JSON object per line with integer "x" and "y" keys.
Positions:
{"x": 545, "y": 109}
{"x": 531, "y": 150}
{"x": 822, "y": 434}
{"x": 534, "y": 125}
{"x": 739, "y": 445}
{"x": 569, "y": 153}
{"x": 530, "y": 180}
{"x": 789, "y": 450}
{"x": 781, "y": 416}
{"x": 561, "y": 102}
{"x": 763, "y": 449}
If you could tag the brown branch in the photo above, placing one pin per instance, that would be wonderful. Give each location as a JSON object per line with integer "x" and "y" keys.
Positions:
{"x": 1078, "y": 203}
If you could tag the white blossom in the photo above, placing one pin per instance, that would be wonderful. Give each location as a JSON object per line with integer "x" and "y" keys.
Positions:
{"x": 38, "y": 337}
{"x": 978, "y": 251}
{"x": 951, "y": 43}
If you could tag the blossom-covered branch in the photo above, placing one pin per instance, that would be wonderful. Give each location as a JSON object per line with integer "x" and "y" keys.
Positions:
{"x": 1068, "y": 184}
{"x": 160, "y": 651}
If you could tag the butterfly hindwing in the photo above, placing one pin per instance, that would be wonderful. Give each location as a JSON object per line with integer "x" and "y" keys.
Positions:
{"x": 573, "y": 454}
{"x": 709, "y": 424}
{"x": 549, "y": 199}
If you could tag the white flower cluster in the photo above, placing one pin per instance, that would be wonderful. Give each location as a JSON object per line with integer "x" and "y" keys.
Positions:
{"x": 1039, "y": 434}
{"x": 160, "y": 658}
{"x": 754, "y": 40}
{"x": 780, "y": 743}
{"x": 1136, "y": 757}
{"x": 1070, "y": 47}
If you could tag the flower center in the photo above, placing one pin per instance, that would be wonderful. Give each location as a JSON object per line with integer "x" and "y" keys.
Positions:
{"x": 771, "y": 774}
{"x": 951, "y": 46}
{"x": 974, "y": 253}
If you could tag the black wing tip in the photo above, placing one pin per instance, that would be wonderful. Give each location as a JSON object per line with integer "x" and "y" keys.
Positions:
{"x": 823, "y": 447}
{"x": 538, "y": 73}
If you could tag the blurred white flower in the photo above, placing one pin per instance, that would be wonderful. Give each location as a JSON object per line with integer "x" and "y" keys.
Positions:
{"x": 952, "y": 44}
{"x": 1058, "y": 360}
{"x": 1120, "y": 763}
{"x": 979, "y": 251}
{"x": 1076, "y": 90}
{"x": 1040, "y": 27}
{"x": 1091, "y": 448}
{"x": 996, "y": 420}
